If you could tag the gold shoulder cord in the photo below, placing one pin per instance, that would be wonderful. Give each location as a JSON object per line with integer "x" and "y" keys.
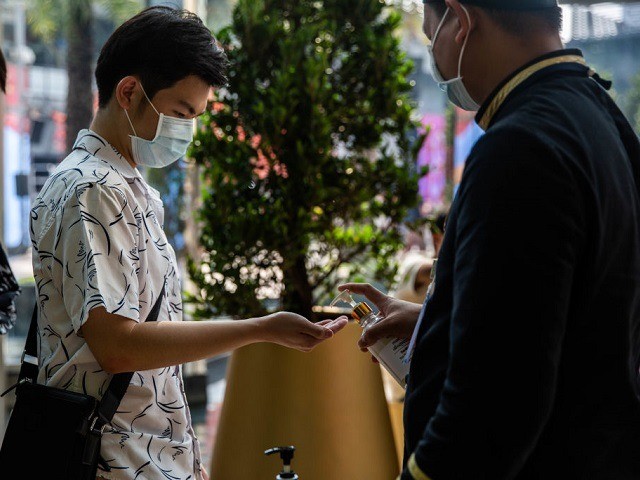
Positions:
{"x": 504, "y": 92}
{"x": 415, "y": 470}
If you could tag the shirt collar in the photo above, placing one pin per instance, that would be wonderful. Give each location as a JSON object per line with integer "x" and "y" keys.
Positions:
{"x": 500, "y": 94}
{"x": 97, "y": 146}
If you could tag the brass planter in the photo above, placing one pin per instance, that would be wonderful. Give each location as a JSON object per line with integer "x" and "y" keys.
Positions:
{"x": 329, "y": 403}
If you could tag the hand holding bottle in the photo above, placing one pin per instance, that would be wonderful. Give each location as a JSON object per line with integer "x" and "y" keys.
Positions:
{"x": 294, "y": 331}
{"x": 399, "y": 320}
{"x": 390, "y": 350}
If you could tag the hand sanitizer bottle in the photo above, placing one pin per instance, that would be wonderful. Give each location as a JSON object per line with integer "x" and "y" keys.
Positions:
{"x": 286, "y": 454}
{"x": 390, "y": 352}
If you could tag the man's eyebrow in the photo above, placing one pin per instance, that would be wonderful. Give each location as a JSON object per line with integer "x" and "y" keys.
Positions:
{"x": 189, "y": 107}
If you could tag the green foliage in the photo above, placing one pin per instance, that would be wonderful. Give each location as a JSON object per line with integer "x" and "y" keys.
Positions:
{"x": 50, "y": 18}
{"x": 307, "y": 158}
{"x": 633, "y": 103}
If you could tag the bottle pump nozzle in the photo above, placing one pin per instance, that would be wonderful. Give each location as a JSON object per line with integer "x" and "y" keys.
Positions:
{"x": 286, "y": 454}
{"x": 360, "y": 310}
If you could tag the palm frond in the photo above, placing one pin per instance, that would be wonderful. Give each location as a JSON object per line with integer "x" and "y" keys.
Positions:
{"x": 46, "y": 17}
{"x": 121, "y": 10}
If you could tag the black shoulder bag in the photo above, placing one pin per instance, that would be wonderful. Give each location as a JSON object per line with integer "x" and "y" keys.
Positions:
{"x": 55, "y": 433}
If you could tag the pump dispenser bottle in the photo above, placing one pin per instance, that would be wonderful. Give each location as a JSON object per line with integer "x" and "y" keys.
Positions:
{"x": 286, "y": 454}
{"x": 390, "y": 352}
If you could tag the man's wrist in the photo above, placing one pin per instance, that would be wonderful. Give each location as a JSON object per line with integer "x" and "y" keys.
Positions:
{"x": 260, "y": 329}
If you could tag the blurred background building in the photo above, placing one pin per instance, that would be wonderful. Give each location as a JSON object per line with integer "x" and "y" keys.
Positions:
{"x": 35, "y": 107}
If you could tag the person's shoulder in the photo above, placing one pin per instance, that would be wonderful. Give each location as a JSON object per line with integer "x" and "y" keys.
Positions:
{"x": 511, "y": 159}
{"x": 77, "y": 172}
{"x": 82, "y": 185}
{"x": 557, "y": 110}
{"x": 507, "y": 144}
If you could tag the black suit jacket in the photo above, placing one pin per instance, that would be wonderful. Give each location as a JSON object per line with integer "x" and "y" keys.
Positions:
{"x": 526, "y": 361}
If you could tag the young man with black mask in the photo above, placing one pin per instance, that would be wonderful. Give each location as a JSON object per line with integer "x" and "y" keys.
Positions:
{"x": 525, "y": 357}
{"x": 101, "y": 258}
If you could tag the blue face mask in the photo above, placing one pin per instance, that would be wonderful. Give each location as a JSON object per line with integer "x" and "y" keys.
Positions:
{"x": 172, "y": 139}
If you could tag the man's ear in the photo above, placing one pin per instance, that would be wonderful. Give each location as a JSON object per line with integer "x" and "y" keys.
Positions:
{"x": 464, "y": 18}
{"x": 127, "y": 92}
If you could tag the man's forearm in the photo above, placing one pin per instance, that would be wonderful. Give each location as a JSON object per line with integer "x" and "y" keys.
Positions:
{"x": 159, "y": 344}
{"x": 134, "y": 346}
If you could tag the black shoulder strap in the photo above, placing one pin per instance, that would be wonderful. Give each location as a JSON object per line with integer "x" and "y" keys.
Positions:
{"x": 118, "y": 385}
{"x": 29, "y": 360}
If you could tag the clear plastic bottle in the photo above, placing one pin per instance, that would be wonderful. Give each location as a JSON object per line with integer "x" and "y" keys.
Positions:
{"x": 390, "y": 352}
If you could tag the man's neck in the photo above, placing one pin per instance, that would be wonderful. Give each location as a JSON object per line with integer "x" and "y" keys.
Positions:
{"x": 507, "y": 57}
{"x": 103, "y": 124}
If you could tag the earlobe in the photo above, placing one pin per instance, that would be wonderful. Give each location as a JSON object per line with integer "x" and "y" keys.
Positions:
{"x": 463, "y": 33}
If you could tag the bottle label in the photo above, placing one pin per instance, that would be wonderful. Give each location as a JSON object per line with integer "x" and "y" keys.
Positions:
{"x": 390, "y": 352}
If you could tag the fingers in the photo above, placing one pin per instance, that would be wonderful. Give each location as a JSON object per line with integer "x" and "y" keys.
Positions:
{"x": 379, "y": 331}
{"x": 334, "y": 326}
{"x": 338, "y": 324}
{"x": 325, "y": 329}
{"x": 317, "y": 331}
{"x": 366, "y": 289}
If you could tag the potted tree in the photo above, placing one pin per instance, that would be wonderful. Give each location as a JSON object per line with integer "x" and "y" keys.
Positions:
{"x": 307, "y": 156}
{"x": 308, "y": 171}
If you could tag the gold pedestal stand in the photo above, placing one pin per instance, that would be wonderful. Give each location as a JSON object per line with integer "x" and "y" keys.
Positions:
{"x": 329, "y": 403}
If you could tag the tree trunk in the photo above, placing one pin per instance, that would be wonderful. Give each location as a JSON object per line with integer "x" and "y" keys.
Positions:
{"x": 79, "y": 68}
{"x": 301, "y": 296}
{"x": 452, "y": 119}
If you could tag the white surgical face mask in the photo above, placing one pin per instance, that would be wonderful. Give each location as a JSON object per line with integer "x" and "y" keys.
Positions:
{"x": 455, "y": 89}
{"x": 173, "y": 137}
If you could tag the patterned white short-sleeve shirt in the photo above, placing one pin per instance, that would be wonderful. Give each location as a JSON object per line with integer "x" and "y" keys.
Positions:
{"x": 96, "y": 231}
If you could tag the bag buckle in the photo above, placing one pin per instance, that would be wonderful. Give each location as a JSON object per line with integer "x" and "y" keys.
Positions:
{"x": 92, "y": 428}
{"x": 29, "y": 358}
{"x": 91, "y": 452}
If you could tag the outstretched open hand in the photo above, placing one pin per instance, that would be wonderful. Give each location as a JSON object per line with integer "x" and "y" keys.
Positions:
{"x": 294, "y": 331}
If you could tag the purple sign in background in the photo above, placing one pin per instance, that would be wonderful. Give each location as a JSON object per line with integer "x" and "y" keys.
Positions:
{"x": 433, "y": 153}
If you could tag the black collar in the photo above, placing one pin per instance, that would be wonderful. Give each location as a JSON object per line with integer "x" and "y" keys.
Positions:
{"x": 525, "y": 75}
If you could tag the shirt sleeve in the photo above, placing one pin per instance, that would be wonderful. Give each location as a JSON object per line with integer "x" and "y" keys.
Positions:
{"x": 520, "y": 227}
{"x": 97, "y": 246}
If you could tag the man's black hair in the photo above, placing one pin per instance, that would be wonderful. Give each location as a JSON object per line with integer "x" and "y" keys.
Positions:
{"x": 3, "y": 73}
{"x": 161, "y": 45}
{"x": 517, "y": 22}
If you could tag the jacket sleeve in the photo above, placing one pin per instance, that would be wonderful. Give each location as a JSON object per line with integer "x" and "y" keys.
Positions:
{"x": 520, "y": 227}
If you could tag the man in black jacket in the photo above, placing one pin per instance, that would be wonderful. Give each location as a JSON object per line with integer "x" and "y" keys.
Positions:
{"x": 526, "y": 354}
